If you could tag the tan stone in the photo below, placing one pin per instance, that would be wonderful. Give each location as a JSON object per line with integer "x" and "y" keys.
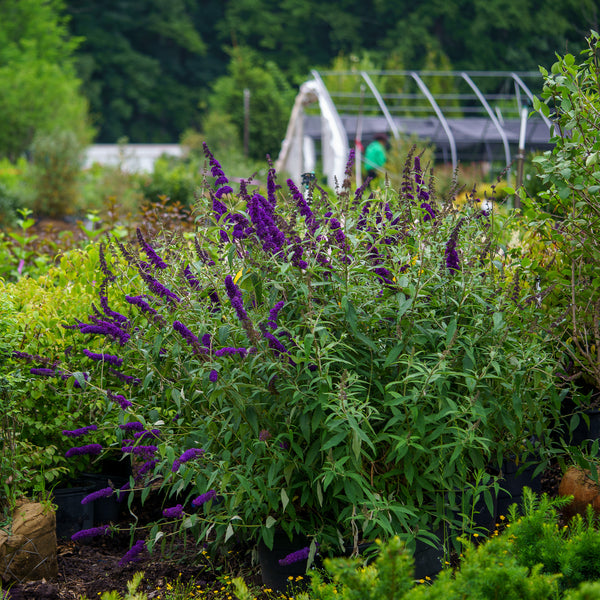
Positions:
{"x": 29, "y": 553}
{"x": 578, "y": 483}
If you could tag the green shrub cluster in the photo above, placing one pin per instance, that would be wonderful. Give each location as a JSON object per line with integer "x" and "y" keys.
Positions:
{"x": 532, "y": 558}
{"x": 335, "y": 367}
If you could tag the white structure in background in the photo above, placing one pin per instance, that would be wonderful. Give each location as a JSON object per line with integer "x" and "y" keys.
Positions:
{"x": 135, "y": 158}
{"x": 462, "y": 123}
{"x": 298, "y": 153}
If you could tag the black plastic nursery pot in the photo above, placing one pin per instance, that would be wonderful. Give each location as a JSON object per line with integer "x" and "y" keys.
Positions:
{"x": 276, "y": 576}
{"x": 71, "y": 515}
{"x": 514, "y": 478}
{"x": 106, "y": 510}
{"x": 585, "y": 431}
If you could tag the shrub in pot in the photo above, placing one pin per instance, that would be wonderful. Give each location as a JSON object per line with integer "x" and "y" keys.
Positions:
{"x": 331, "y": 367}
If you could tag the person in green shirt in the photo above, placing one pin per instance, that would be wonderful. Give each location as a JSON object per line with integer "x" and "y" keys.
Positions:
{"x": 376, "y": 155}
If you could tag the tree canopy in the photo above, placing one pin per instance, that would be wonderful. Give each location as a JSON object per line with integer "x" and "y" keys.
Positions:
{"x": 40, "y": 89}
{"x": 151, "y": 68}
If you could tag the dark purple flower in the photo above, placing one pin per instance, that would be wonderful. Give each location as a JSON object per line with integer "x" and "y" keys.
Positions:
{"x": 273, "y": 313}
{"x": 133, "y": 554}
{"x": 103, "y": 266}
{"x": 188, "y": 336}
{"x": 111, "y": 359}
{"x": 143, "y": 435}
{"x": 189, "y": 454}
{"x": 106, "y": 328}
{"x": 142, "y": 304}
{"x": 295, "y": 557}
{"x": 31, "y": 357}
{"x": 147, "y": 466}
{"x": 118, "y": 317}
{"x": 120, "y": 399}
{"x": 147, "y": 451}
{"x": 213, "y": 376}
{"x": 159, "y": 289}
{"x": 429, "y": 212}
{"x": 230, "y": 351}
{"x": 206, "y": 340}
{"x": 226, "y": 189}
{"x": 264, "y": 435}
{"x": 450, "y": 253}
{"x": 126, "y": 378}
{"x": 418, "y": 171}
{"x": 274, "y": 343}
{"x": 86, "y": 534}
{"x": 92, "y": 449}
{"x": 132, "y": 426}
{"x": 106, "y": 492}
{"x": 121, "y": 491}
{"x": 385, "y": 275}
{"x": 203, "y": 498}
{"x": 156, "y": 260}
{"x": 174, "y": 512}
{"x": 43, "y": 372}
{"x": 235, "y": 296}
{"x": 194, "y": 283}
{"x": 73, "y": 433}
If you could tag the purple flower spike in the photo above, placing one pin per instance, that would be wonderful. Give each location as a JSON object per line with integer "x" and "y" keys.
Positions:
{"x": 111, "y": 359}
{"x": 187, "y": 335}
{"x": 450, "y": 253}
{"x": 235, "y": 296}
{"x": 429, "y": 212}
{"x": 132, "y": 426}
{"x": 264, "y": 435}
{"x": 148, "y": 451}
{"x": 213, "y": 376}
{"x": 203, "y": 498}
{"x": 295, "y": 557}
{"x": 133, "y": 554}
{"x": 273, "y": 313}
{"x": 87, "y": 534}
{"x": 156, "y": 260}
{"x": 120, "y": 399}
{"x": 74, "y": 433}
{"x": 92, "y": 449}
{"x": 189, "y": 454}
{"x": 174, "y": 512}
{"x": 43, "y": 372}
{"x": 106, "y": 492}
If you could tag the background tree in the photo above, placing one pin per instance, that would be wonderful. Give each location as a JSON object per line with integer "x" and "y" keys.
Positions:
{"x": 271, "y": 98}
{"x": 144, "y": 64}
{"x": 149, "y": 66}
{"x": 40, "y": 89}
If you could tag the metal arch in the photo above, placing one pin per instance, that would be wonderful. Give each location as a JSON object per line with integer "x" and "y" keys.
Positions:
{"x": 493, "y": 117}
{"x": 440, "y": 116}
{"x": 520, "y": 83}
{"x": 382, "y": 105}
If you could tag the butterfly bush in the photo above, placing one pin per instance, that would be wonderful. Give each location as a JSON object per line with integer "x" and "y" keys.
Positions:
{"x": 313, "y": 363}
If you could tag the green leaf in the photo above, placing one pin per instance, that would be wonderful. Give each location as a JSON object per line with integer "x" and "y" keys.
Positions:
{"x": 284, "y": 500}
{"x": 270, "y": 521}
{"x": 393, "y": 355}
{"x": 335, "y": 440}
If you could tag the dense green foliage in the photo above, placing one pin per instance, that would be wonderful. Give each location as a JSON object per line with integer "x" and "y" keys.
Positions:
{"x": 149, "y": 66}
{"x": 567, "y": 212}
{"x": 312, "y": 364}
{"x": 40, "y": 90}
